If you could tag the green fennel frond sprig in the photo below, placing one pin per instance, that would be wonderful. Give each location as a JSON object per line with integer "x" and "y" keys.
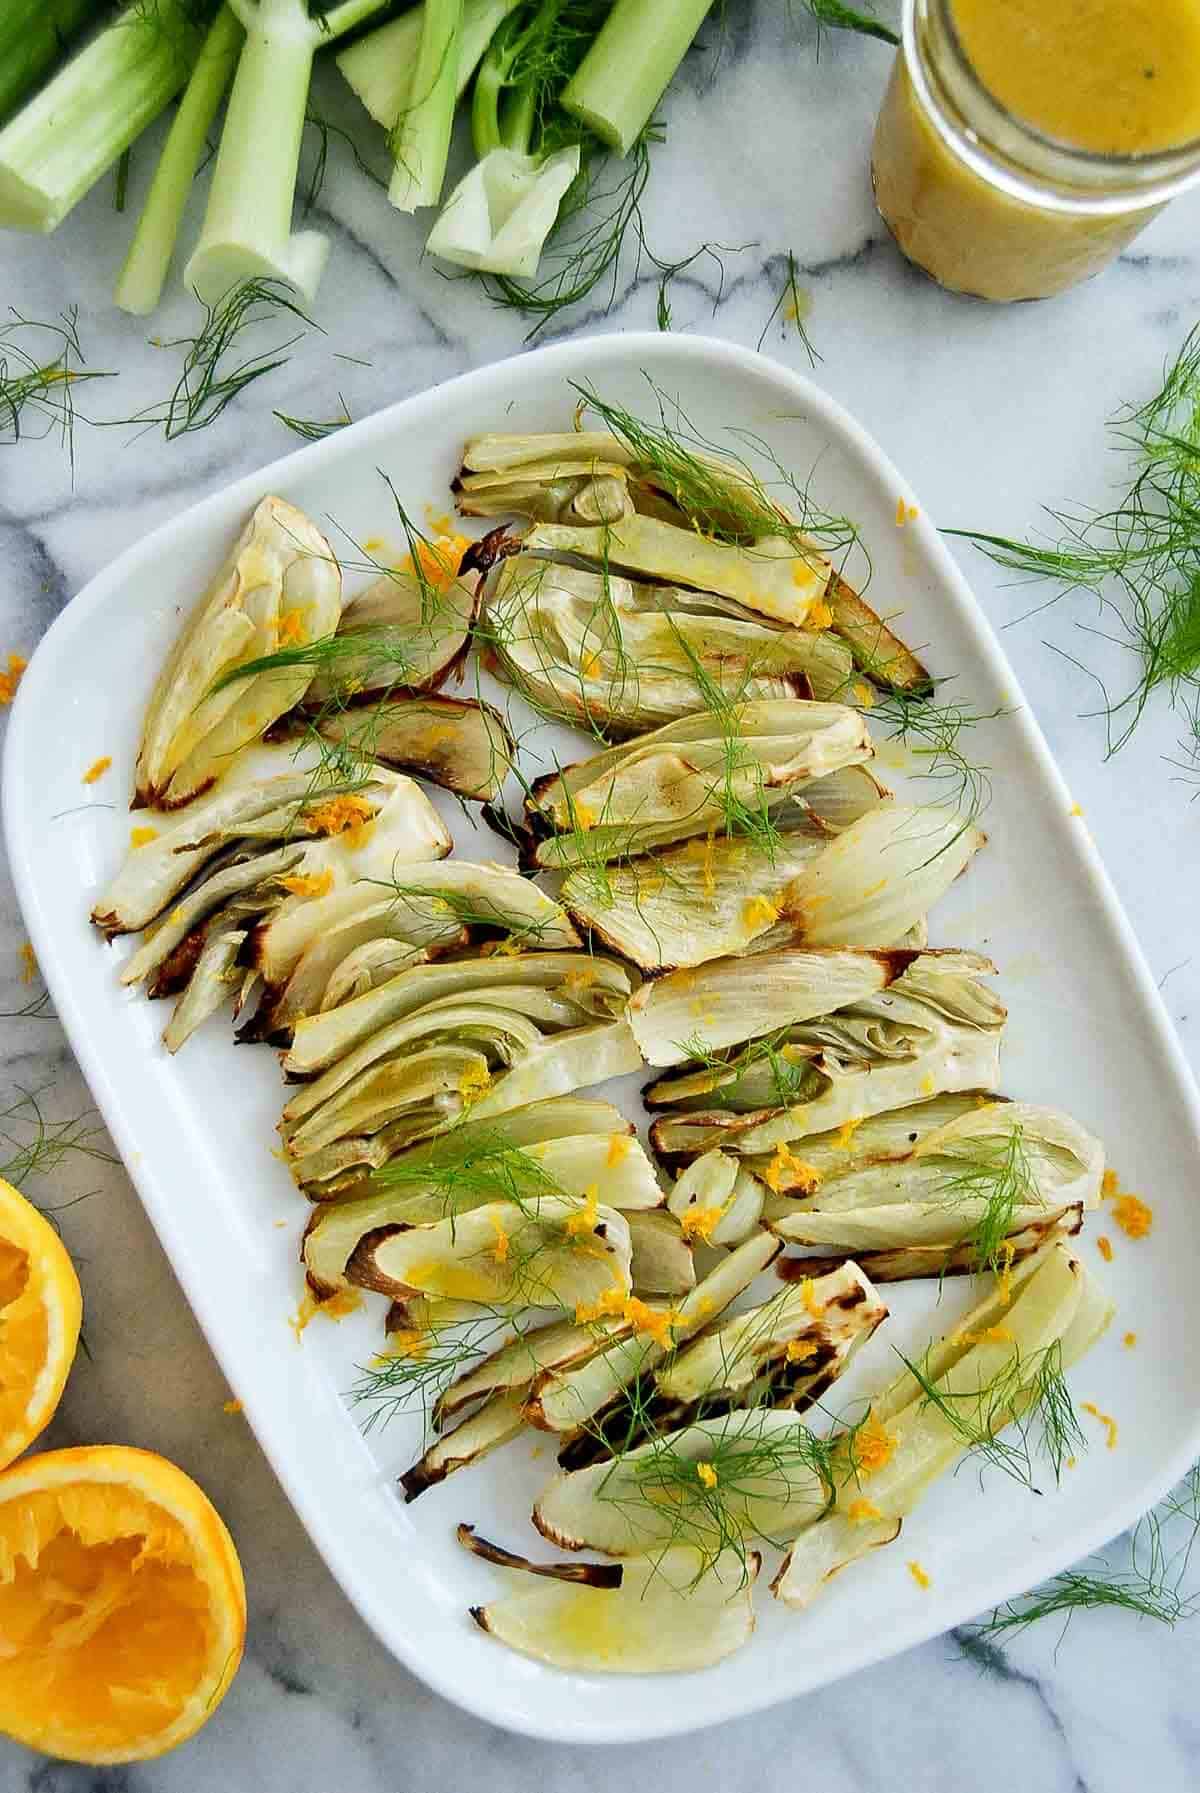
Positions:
{"x": 932, "y": 732}
{"x": 1139, "y": 558}
{"x": 311, "y": 429}
{"x": 212, "y": 376}
{"x": 716, "y": 487}
{"x": 712, "y": 1512}
{"x": 1002, "y": 1178}
{"x": 1149, "y": 1582}
{"x": 421, "y": 1370}
{"x": 840, "y": 17}
{"x": 40, "y": 365}
{"x": 790, "y": 1078}
{"x": 37, "y": 1145}
{"x": 472, "y": 911}
{"x": 1028, "y": 1395}
{"x": 790, "y": 308}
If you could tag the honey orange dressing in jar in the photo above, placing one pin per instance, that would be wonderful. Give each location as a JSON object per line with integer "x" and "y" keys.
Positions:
{"x": 1023, "y": 143}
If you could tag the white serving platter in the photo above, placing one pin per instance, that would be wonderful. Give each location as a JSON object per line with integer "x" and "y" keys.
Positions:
{"x": 1087, "y": 1033}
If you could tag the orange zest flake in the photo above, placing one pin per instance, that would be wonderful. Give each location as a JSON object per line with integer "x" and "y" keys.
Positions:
{"x": 844, "y": 1137}
{"x": 500, "y": 1248}
{"x": 759, "y": 912}
{"x": 141, "y": 837}
{"x": 409, "y": 1341}
{"x": 584, "y": 1220}
{"x": 798, "y": 1350}
{"x": 1076, "y": 809}
{"x": 437, "y": 562}
{"x": 699, "y": 1223}
{"x": 644, "y": 1318}
{"x": 706, "y": 1473}
{"x": 1110, "y": 1186}
{"x": 786, "y": 1168}
{"x": 901, "y": 516}
{"x": 1106, "y": 1420}
{"x": 583, "y": 815}
{"x": 589, "y": 666}
{"x": 12, "y": 678}
{"x": 919, "y": 1576}
{"x": 437, "y": 522}
{"x": 29, "y": 964}
{"x": 475, "y": 1081}
{"x": 989, "y": 1335}
{"x": 1134, "y": 1216}
{"x": 97, "y": 769}
{"x": 1104, "y": 1247}
{"x": 576, "y": 981}
{"x": 339, "y": 814}
{"x": 290, "y": 629}
{"x": 703, "y": 850}
{"x": 231, "y": 1407}
{"x": 1129, "y": 1340}
{"x": 808, "y": 1296}
{"x": 863, "y": 695}
{"x": 309, "y": 884}
{"x": 862, "y": 1512}
{"x": 346, "y": 1301}
{"x": 608, "y": 1304}
{"x": 873, "y": 1446}
{"x": 820, "y": 616}
{"x": 618, "y": 1150}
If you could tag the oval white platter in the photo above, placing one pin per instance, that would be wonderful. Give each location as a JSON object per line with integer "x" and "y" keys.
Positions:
{"x": 1087, "y": 1033}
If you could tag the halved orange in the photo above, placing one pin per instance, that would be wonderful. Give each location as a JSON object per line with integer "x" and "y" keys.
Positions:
{"x": 40, "y": 1311}
{"x": 122, "y": 1606}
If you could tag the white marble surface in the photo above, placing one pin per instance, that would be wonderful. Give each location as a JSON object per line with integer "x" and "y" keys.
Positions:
{"x": 990, "y": 413}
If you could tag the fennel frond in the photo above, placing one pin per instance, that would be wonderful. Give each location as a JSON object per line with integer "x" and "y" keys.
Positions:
{"x": 1002, "y": 1178}
{"x": 34, "y": 387}
{"x": 1149, "y": 1582}
{"x": 840, "y": 17}
{"x": 208, "y": 382}
{"x": 1030, "y": 1395}
{"x": 37, "y": 1145}
{"x": 791, "y": 308}
{"x": 1140, "y": 558}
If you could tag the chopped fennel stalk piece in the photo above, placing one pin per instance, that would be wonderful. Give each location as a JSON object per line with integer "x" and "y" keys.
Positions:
{"x": 33, "y": 34}
{"x": 279, "y": 576}
{"x": 247, "y": 232}
{"x": 420, "y": 138}
{"x": 144, "y": 270}
{"x": 629, "y": 67}
{"x": 56, "y": 148}
{"x": 498, "y": 217}
{"x": 671, "y": 1612}
{"x": 379, "y": 66}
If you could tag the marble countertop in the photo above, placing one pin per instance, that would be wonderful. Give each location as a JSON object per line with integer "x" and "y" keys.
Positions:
{"x": 990, "y": 413}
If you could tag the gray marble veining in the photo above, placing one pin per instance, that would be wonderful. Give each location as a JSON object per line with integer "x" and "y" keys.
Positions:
{"x": 990, "y": 413}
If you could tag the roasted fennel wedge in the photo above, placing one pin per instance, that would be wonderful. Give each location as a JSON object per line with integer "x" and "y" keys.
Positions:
{"x": 932, "y": 1029}
{"x": 668, "y": 1613}
{"x": 1001, "y": 1367}
{"x": 279, "y": 583}
{"x": 700, "y": 774}
{"x": 619, "y": 657}
{"x": 983, "y": 1178}
{"x": 867, "y": 886}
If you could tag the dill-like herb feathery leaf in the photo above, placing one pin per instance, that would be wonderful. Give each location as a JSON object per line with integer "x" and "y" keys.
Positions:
{"x": 33, "y": 386}
{"x": 1000, "y": 1176}
{"x": 37, "y": 1145}
{"x": 790, "y": 308}
{"x": 1150, "y": 1583}
{"x": 208, "y": 382}
{"x": 1141, "y": 557}
{"x": 840, "y": 17}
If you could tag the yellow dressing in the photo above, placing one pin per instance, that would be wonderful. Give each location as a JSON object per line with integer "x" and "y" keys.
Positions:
{"x": 1116, "y": 77}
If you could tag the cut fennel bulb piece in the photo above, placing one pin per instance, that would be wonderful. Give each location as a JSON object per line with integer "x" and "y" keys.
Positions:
{"x": 379, "y": 66}
{"x": 420, "y": 141}
{"x": 140, "y": 282}
{"x": 498, "y": 217}
{"x": 247, "y": 231}
{"x": 58, "y": 146}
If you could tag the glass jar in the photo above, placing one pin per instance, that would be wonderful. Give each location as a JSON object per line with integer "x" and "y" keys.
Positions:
{"x": 985, "y": 202}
